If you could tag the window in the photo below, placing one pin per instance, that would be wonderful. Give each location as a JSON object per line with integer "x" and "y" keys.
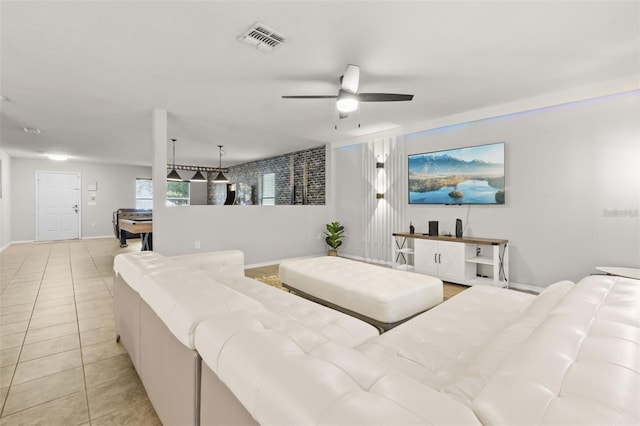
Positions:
{"x": 144, "y": 193}
{"x": 268, "y": 189}
{"x": 178, "y": 193}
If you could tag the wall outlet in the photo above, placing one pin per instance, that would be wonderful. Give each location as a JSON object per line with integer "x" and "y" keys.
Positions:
{"x": 197, "y": 244}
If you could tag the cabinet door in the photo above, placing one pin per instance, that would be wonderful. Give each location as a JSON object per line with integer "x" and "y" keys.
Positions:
{"x": 425, "y": 257}
{"x": 451, "y": 261}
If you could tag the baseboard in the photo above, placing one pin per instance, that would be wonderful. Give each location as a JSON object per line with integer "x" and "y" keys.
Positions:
{"x": 98, "y": 238}
{"x": 516, "y": 286}
{"x": 345, "y": 255}
{"x": 364, "y": 259}
{"x": 278, "y": 261}
{"x": 526, "y": 287}
{"x": 6, "y": 246}
{"x": 15, "y": 242}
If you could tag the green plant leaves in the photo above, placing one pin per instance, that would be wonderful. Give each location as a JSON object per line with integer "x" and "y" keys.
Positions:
{"x": 334, "y": 234}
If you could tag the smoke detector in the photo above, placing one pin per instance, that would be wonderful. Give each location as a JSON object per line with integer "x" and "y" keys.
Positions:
{"x": 31, "y": 130}
{"x": 262, "y": 37}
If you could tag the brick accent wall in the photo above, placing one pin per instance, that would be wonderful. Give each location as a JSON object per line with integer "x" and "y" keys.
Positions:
{"x": 247, "y": 178}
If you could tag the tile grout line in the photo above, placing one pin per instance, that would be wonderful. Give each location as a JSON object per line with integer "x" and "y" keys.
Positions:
{"x": 33, "y": 308}
{"x": 79, "y": 341}
{"x": 13, "y": 276}
{"x": 84, "y": 373}
{"x": 91, "y": 419}
{"x": 85, "y": 260}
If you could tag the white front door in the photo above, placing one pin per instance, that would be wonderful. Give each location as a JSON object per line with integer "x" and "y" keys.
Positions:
{"x": 57, "y": 206}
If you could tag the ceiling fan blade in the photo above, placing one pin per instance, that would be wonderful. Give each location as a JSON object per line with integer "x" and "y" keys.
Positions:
{"x": 342, "y": 114}
{"x": 383, "y": 97}
{"x": 311, "y": 97}
{"x": 351, "y": 79}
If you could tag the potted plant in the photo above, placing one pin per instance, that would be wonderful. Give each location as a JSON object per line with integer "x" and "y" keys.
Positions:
{"x": 334, "y": 237}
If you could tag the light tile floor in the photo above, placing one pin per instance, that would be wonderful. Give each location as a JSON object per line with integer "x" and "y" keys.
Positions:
{"x": 59, "y": 361}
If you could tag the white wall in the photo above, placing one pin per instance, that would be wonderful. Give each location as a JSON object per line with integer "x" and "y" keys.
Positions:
{"x": 349, "y": 196}
{"x": 5, "y": 200}
{"x": 116, "y": 189}
{"x": 264, "y": 233}
{"x": 198, "y": 193}
{"x": 565, "y": 166}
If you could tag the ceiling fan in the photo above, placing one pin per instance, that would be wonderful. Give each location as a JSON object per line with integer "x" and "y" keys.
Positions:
{"x": 348, "y": 98}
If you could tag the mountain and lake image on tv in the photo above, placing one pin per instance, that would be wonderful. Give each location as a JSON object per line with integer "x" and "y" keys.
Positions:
{"x": 471, "y": 175}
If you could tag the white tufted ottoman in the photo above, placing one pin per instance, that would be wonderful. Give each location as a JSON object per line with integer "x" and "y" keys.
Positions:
{"x": 380, "y": 296}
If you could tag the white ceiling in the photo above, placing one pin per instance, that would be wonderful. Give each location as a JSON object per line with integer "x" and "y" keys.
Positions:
{"x": 89, "y": 73}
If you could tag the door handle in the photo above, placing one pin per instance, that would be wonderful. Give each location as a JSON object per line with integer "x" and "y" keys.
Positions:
{"x": 435, "y": 257}
{"x": 439, "y": 261}
{"x": 75, "y": 208}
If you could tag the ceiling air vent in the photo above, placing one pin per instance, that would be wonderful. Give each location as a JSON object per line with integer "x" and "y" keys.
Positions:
{"x": 262, "y": 37}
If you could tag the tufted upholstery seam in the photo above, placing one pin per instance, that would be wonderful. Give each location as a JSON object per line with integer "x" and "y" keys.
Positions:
{"x": 338, "y": 401}
{"x": 583, "y": 338}
{"x": 356, "y": 381}
{"x": 354, "y": 394}
{"x": 599, "y": 401}
{"x": 229, "y": 338}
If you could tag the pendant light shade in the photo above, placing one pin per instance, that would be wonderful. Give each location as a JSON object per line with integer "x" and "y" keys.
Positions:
{"x": 220, "y": 178}
{"x": 173, "y": 174}
{"x": 198, "y": 177}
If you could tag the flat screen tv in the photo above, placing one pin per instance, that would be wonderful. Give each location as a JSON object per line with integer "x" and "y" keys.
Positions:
{"x": 471, "y": 175}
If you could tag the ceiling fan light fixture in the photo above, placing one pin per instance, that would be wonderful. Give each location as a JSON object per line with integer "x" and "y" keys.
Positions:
{"x": 349, "y": 98}
{"x": 347, "y": 101}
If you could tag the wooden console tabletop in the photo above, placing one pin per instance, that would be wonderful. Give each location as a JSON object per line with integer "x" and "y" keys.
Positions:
{"x": 471, "y": 240}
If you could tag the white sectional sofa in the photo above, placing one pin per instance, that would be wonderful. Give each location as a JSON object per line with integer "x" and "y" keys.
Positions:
{"x": 160, "y": 301}
{"x": 487, "y": 356}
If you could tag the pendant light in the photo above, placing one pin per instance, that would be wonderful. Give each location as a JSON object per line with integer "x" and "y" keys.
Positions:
{"x": 198, "y": 177}
{"x": 220, "y": 178}
{"x": 173, "y": 175}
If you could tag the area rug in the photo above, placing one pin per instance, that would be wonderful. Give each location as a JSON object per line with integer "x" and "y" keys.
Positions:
{"x": 450, "y": 290}
{"x": 272, "y": 280}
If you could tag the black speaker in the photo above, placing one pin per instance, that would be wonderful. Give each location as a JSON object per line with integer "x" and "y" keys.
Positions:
{"x": 458, "y": 228}
{"x": 433, "y": 228}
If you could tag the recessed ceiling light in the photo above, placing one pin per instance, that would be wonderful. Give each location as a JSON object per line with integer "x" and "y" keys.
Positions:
{"x": 31, "y": 130}
{"x": 58, "y": 157}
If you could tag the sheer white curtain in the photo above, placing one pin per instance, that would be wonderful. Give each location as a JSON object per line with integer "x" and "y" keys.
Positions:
{"x": 382, "y": 217}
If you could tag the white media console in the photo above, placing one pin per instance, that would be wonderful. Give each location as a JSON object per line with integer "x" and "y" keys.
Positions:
{"x": 466, "y": 260}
